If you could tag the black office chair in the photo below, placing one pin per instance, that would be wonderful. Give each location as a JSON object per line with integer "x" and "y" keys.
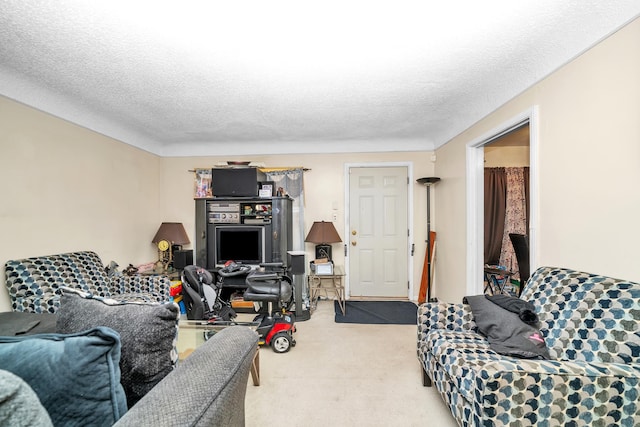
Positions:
{"x": 520, "y": 244}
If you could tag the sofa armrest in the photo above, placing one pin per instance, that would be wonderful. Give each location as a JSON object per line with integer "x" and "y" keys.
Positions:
{"x": 568, "y": 392}
{"x": 206, "y": 389}
{"x": 443, "y": 315}
{"x": 156, "y": 286}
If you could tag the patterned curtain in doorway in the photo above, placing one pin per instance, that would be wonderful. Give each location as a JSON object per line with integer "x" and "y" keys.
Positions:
{"x": 515, "y": 215}
{"x": 291, "y": 180}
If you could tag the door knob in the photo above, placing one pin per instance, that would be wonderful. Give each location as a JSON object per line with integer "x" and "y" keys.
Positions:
{"x": 353, "y": 243}
{"x": 354, "y": 232}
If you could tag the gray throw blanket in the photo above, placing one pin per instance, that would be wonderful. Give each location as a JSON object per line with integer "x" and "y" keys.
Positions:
{"x": 506, "y": 332}
{"x": 524, "y": 309}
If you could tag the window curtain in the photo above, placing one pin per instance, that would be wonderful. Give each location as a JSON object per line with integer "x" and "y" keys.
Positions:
{"x": 506, "y": 211}
{"x": 292, "y": 182}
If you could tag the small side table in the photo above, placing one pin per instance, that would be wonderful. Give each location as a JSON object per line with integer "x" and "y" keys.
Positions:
{"x": 193, "y": 333}
{"x": 496, "y": 281}
{"x": 327, "y": 282}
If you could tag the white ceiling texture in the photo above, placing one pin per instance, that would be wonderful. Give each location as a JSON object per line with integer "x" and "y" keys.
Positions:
{"x": 189, "y": 77}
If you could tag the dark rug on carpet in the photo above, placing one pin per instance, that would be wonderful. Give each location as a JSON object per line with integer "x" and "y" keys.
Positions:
{"x": 378, "y": 312}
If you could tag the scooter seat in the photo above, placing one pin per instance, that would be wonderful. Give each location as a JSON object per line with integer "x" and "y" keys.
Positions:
{"x": 268, "y": 287}
{"x": 250, "y": 296}
{"x": 268, "y": 291}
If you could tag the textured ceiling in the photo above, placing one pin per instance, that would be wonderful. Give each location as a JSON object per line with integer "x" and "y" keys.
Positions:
{"x": 189, "y": 77}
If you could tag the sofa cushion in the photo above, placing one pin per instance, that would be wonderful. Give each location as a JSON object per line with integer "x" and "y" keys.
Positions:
{"x": 585, "y": 316}
{"x": 76, "y": 376}
{"x": 453, "y": 349}
{"x": 148, "y": 333}
{"x": 34, "y": 283}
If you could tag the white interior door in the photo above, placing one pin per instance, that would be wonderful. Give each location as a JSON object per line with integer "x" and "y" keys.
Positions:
{"x": 378, "y": 232}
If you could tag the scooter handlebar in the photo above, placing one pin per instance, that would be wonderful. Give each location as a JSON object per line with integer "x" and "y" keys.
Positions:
{"x": 236, "y": 270}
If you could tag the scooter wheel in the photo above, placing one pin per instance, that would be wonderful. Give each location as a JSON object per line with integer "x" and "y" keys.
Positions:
{"x": 281, "y": 342}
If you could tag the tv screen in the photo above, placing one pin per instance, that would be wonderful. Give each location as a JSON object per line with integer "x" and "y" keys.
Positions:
{"x": 240, "y": 244}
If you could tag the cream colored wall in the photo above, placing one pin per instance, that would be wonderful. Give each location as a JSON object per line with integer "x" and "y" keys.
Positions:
{"x": 65, "y": 188}
{"x": 324, "y": 191}
{"x": 506, "y": 157}
{"x": 589, "y": 167}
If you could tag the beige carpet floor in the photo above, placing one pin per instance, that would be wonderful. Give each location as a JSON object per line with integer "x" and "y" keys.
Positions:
{"x": 344, "y": 375}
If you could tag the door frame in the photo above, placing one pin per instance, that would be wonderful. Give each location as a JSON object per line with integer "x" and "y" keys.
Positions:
{"x": 475, "y": 195}
{"x": 347, "y": 219}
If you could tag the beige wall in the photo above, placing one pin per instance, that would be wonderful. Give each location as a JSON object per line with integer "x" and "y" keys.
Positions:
{"x": 64, "y": 188}
{"x": 506, "y": 157}
{"x": 589, "y": 167}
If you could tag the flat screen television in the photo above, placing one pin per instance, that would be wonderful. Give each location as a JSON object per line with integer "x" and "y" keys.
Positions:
{"x": 243, "y": 244}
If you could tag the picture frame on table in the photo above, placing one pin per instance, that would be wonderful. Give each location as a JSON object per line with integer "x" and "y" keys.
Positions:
{"x": 266, "y": 190}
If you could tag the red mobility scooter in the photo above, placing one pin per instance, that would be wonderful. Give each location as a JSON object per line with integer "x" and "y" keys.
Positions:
{"x": 274, "y": 326}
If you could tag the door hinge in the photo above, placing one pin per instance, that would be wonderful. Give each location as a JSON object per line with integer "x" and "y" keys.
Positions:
{"x": 407, "y": 284}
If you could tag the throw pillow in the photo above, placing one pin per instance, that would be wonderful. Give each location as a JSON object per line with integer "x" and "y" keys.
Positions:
{"x": 76, "y": 376}
{"x": 148, "y": 333}
{"x": 19, "y": 404}
{"x": 506, "y": 332}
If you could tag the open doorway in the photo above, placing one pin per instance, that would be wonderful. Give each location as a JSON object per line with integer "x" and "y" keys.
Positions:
{"x": 475, "y": 195}
{"x": 506, "y": 208}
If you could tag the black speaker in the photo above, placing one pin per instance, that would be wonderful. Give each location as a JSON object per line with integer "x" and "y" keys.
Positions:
{"x": 296, "y": 263}
{"x": 182, "y": 258}
{"x": 235, "y": 182}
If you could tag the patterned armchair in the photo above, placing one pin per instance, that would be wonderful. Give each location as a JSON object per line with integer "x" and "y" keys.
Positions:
{"x": 34, "y": 283}
{"x": 591, "y": 326}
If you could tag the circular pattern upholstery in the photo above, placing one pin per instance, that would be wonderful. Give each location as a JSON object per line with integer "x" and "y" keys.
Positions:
{"x": 34, "y": 283}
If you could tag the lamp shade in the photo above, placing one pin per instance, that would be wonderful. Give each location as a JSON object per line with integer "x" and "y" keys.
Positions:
{"x": 172, "y": 232}
{"x": 323, "y": 232}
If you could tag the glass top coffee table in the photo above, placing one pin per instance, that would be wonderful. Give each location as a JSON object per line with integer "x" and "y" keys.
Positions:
{"x": 194, "y": 333}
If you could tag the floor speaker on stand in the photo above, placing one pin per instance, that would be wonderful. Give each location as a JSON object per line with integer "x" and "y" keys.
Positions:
{"x": 295, "y": 260}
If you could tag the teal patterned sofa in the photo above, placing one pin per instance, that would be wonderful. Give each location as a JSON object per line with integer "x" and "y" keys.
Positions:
{"x": 591, "y": 326}
{"x": 34, "y": 283}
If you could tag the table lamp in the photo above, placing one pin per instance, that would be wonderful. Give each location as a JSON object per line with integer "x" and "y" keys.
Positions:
{"x": 323, "y": 233}
{"x": 169, "y": 238}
